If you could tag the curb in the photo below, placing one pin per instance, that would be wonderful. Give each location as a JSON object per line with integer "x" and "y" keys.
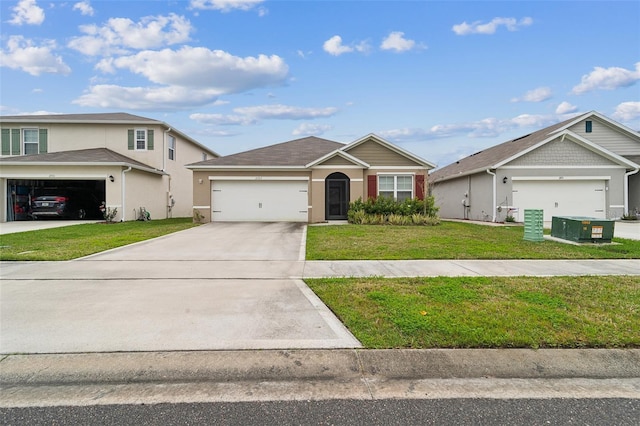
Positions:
{"x": 317, "y": 365}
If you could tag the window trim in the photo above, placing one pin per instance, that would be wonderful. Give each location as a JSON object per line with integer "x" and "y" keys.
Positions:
{"x": 23, "y": 141}
{"x": 135, "y": 139}
{"x": 395, "y": 184}
{"x": 171, "y": 154}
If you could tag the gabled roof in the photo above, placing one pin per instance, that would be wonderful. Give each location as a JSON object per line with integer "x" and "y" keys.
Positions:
{"x": 497, "y": 155}
{"x": 339, "y": 153}
{"x": 296, "y": 153}
{"x": 388, "y": 145}
{"x": 84, "y": 157}
{"x": 99, "y": 118}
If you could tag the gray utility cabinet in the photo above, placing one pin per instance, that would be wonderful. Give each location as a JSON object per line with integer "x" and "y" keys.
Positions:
{"x": 582, "y": 229}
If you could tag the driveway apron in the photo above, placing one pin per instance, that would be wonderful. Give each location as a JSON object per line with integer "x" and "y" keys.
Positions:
{"x": 216, "y": 286}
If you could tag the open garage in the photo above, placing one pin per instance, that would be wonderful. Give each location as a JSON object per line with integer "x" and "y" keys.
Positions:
{"x": 29, "y": 199}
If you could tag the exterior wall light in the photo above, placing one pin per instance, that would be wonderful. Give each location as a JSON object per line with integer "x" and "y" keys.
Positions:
{"x": 504, "y": 179}
{"x": 111, "y": 178}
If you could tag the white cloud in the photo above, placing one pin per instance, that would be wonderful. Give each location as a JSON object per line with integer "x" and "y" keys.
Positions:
{"x": 22, "y": 54}
{"x": 119, "y": 35}
{"x": 627, "y": 111}
{"x": 27, "y": 12}
{"x": 223, "y": 119}
{"x": 227, "y": 5}
{"x": 477, "y": 27}
{"x": 607, "y": 79}
{"x": 84, "y": 7}
{"x": 285, "y": 112}
{"x": 251, "y": 115}
{"x": 309, "y": 129}
{"x": 536, "y": 95}
{"x": 334, "y": 46}
{"x": 201, "y": 67}
{"x": 488, "y": 127}
{"x": 395, "y": 41}
{"x": 145, "y": 98}
{"x": 184, "y": 78}
{"x": 566, "y": 108}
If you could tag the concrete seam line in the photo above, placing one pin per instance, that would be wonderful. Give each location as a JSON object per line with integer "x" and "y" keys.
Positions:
{"x": 302, "y": 254}
{"x": 363, "y": 374}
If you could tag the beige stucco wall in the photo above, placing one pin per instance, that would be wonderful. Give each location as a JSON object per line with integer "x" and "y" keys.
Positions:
{"x": 318, "y": 176}
{"x": 143, "y": 190}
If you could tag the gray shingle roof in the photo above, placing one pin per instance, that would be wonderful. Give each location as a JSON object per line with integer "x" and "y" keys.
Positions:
{"x": 487, "y": 158}
{"x": 95, "y": 155}
{"x": 90, "y": 118}
{"x": 299, "y": 152}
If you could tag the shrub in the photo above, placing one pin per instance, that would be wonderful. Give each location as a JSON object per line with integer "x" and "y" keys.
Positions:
{"x": 385, "y": 210}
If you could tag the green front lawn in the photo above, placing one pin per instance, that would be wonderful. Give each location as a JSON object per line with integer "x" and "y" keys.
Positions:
{"x": 449, "y": 240}
{"x": 472, "y": 312}
{"x": 71, "y": 242}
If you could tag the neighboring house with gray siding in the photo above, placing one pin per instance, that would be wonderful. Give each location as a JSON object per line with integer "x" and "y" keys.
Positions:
{"x": 584, "y": 166}
{"x": 126, "y": 160}
{"x": 305, "y": 180}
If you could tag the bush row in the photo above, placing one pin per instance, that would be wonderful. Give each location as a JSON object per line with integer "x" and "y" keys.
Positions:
{"x": 384, "y": 210}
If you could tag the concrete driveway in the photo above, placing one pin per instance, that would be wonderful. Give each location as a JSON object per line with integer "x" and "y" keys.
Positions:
{"x": 217, "y": 286}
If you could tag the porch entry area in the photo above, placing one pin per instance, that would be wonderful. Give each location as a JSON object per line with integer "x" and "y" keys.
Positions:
{"x": 336, "y": 196}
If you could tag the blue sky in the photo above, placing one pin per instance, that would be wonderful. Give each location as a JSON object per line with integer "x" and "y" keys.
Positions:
{"x": 440, "y": 79}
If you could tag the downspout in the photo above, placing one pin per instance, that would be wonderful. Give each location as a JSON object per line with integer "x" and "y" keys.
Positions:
{"x": 165, "y": 154}
{"x": 493, "y": 201}
{"x": 625, "y": 185}
{"x": 123, "y": 193}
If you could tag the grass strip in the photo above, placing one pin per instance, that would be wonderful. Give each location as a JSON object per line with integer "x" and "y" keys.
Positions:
{"x": 449, "y": 240}
{"x": 71, "y": 242}
{"x": 487, "y": 312}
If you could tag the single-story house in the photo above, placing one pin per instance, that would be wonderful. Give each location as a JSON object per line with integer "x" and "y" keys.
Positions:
{"x": 584, "y": 166}
{"x": 127, "y": 161}
{"x": 304, "y": 180}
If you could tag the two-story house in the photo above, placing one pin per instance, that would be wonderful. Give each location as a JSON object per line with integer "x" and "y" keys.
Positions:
{"x": 127, "y": 161}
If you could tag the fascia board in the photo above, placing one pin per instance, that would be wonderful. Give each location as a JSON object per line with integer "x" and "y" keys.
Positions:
{"x": 340, "y": 153}
{"x": 462, "y": 174}
{"x": 390, "y": 146}
{"x": 245, "y": 168}
{"x": 601, "y": 117}
{"x": 81, "y": 164}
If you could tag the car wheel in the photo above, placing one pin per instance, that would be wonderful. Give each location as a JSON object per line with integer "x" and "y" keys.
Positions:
{"x": 82, "y": 214}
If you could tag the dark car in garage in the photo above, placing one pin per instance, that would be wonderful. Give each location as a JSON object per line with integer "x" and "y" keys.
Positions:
{"x": 68, "y": 204}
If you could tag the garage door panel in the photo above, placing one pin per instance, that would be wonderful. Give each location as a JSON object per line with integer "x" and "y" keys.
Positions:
{"x": 264, "y": 200}
{"x": 561, "y": 198}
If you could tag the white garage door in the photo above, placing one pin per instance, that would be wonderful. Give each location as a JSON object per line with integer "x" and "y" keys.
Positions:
{"x": 259, "y": 200}
{"x": 561, "y": 198}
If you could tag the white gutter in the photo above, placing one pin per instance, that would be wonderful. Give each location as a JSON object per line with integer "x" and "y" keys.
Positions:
{"x": 625, "y": 185}
{"x": 493, "y": 202}
{"x": 124, "y": 193}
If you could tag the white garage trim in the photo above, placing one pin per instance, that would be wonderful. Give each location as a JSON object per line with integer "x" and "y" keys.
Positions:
{"x": 541, "y": 178}
{"x": 274, "y": 178}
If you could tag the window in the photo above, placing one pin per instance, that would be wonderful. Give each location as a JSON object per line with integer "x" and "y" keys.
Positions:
{"x": 204, "y": 156}
{"x": 398, "y": 187}
{"x": 172, "y": 148}
{"x": 141, "y": 139}
{"x": 588, "y": 126}
{"x": 30, "y": 141}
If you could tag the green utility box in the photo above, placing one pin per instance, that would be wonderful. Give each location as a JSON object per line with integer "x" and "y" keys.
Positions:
{"x": 582, "y": 229}
{"x": 533, "y": 225}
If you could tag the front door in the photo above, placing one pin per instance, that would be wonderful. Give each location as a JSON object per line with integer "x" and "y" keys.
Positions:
{"x": 337, "y": 197}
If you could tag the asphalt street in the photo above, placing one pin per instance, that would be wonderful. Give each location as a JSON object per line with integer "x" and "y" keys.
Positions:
{"x": 618, "y": 412}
